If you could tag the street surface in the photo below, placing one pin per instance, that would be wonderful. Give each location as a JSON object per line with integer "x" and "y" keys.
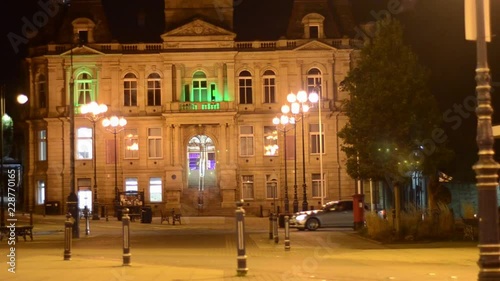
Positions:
{"x": 204, "y": 248}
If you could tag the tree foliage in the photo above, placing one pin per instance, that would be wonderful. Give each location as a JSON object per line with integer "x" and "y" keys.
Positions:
{"x": 393, "y": 117}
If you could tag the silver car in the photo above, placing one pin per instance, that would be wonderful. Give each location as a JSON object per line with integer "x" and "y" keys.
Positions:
{"x": 333, "y": 214}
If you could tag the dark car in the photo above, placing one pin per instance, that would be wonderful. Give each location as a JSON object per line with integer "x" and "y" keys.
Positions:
{"x": 333, "y": 214}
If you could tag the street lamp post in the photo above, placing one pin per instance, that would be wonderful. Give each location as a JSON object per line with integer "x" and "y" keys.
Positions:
{"x": 93, "y": 112}
{"x": 115, "y": 125}
{"x": 314, "y": 97}
{"x": 486, "y": 167}
{"x": 283, "y": 121}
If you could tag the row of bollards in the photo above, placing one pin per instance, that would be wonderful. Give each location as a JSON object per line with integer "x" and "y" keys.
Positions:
{"x": 273, "y": 229}
{"x": 68, "y": 234}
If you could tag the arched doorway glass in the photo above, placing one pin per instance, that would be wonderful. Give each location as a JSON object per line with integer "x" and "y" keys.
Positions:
{"x": 201, "y": 163}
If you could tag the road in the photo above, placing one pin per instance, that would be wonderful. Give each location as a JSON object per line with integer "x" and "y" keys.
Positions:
{"x": 204, "y": 248}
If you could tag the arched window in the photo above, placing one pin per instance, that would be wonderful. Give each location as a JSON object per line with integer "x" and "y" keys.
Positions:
{"x": 42, "y": 91}
{"x": 200, "y": 92}
{"x": 245, "y": 87}
{"x": 269, "y": 80}
{"x": 154, "y": 89}
{"x": 84, "y": 89}
{"x": 314, "y": 81}
{"x": 130, "y": 90}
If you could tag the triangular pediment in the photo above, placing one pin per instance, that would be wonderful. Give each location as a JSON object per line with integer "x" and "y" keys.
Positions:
{"x": 82, "y": 50}
{"x": 198, "y": 28}
{"x": 315, "y": 46}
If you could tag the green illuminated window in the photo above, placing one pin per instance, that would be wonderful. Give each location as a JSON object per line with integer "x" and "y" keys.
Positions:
{"x": 269, "y": 87}
{"x": 84, "y": 89}
{"x": 200, "y": 91}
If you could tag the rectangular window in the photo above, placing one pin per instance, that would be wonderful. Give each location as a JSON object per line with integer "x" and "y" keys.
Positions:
{"x": 130, "y": 93}
{"x": 245, "y": 90}
{"x": 84, "y": 143}
{"x": 247, "y": 187}
{"x": 155, "y": 188}
{"x": 315, "y": 139}
{"x": 270, "y": 141}
{"x": 154, "y": 92}
{"x": 42, "y": 93}
{"x": 313, "y": 31}
{"x": 200, "y": 90}
{"x": 154, "y": 143}
{"x": 271, "y": 188}
{"x": 83, "y": 36}
{"x": 269, "y": 90}
{"x": 246, "y": 140}
{"x": 40, "y": 194}
{"x": 42, "y": 145}
{"x": 316, "y": 186}
{"x": 131, "y": 184}
{"x": 131, "y": 144}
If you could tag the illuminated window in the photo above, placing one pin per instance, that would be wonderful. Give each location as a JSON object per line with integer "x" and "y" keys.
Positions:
{"x": 269, "y": 87}
{"x": 314, "y": 81}
{"x": 200, "y": 91}
{"x": 154, "y": 89}
{"x": 270, "y": 141}
{"x": 131, "y": 184}
{"x": 247, "y": 187}
{"x": 42, "y": 91}
{"x": 42, "y": 145}
{"x": 245, "y": 87}
{"x": 40, "y": 194}
{"x": 84, "y": 143}
{"x": 316, "y": 185}
{"x": 246, "y": 141}
{"x": 154, "y": 143}
{"x": 84, "y": 89}
{"x": 315, "y": 140}
{"x": 131, "y": 144}
{"x": 155, "y": 188}
{"x": 271, "y": 188}
{"x": 130, "y": 90}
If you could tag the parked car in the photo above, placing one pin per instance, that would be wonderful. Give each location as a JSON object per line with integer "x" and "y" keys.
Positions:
{"x": 333, "y": 214}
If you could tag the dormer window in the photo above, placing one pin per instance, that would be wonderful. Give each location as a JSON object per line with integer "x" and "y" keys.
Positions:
{"x": 84, "y": 27}
{"x": 313, "y": 26}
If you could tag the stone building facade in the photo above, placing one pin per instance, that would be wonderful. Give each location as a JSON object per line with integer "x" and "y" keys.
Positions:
{"x": 199, "y": 105}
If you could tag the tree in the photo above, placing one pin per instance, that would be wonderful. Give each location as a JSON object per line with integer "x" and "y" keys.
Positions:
{"x": 393, "y": 126}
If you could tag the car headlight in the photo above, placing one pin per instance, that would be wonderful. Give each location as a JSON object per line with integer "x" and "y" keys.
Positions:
{"x": 300, "y": 217}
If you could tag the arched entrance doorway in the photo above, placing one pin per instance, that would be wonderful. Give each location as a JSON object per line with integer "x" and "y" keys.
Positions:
{"x": 202, "y": 174}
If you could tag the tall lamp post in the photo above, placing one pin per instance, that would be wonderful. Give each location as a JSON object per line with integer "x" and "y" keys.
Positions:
{"x": 115, "y": 125}
{"x": 314, "y": 97}
{"x": 478, "y": 28}
{"x": 284, "y": 120}
{"x": 93, "y": 112}
{"x": 21, "y": 99}
{"x": 299, "y": 105}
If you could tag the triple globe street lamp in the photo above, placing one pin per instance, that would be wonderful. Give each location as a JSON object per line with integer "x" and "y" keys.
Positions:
{"x": 115, "y": 125}
{"x": 93, "y": 112}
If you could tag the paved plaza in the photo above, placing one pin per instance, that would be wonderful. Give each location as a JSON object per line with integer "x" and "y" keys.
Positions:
{"x": 204, "y": 248}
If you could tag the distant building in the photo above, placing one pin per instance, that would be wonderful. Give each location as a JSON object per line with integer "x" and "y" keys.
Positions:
{"x": 199, "y": 100}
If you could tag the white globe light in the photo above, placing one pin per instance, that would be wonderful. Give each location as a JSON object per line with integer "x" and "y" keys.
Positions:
{"x": 295, "y": 108}
{"x": 284, "y": 119}
{"x": 305, "y": 108}
{"x": 106, "y": 122}
{"x": 302, "y": 96}
{"x": 22, "y": 99}
{"x": 291, "y": 98}
{"x": 103, "y": 108}
{"x": 123, "y": 122}
{"x": 285, "y": 109}
{"x": 114, "y": 121}
{"x": 276, "y": 120}
{"x": 84, "y": 109}
{"x": 313, "y": 97}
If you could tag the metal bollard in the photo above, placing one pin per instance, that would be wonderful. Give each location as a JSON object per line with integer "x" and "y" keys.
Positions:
{"x": 87, "y": 222}
{"x": 31, "y": 217}
{"x": 287, "y": 234}
{"x": 106, "y": 211}
{"x": 271, "y": 226}
{"x": 240, "y": 236}
{"x": 68, "y": 233}
{"x": 126, "y": 237}
{"x": 275, "y": 229}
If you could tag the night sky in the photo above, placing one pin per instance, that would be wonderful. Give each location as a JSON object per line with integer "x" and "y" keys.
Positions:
{"x": 434, "y": 29}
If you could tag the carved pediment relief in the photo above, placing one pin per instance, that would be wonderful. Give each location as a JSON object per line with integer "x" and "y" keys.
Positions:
{"x": 82, "y": 50}
{"x": 316, "y": 46}
{"x": 198, "y": 28}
